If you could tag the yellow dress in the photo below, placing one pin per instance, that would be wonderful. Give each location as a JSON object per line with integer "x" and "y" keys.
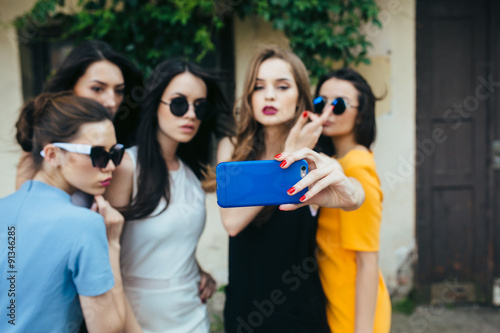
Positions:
{"x": 340, "y": 234}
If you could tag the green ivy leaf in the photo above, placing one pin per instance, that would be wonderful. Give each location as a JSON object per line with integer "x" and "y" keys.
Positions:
{"x": 320, "y": 32}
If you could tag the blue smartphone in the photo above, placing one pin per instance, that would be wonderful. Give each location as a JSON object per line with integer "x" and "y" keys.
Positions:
{"x": 258, "y": 183}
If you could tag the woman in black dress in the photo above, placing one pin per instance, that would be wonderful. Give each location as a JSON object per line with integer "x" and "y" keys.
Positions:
{"x": 274, "y": 284}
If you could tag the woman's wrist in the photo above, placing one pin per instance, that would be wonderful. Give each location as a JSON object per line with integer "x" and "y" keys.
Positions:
{"x": 114, "y": 245}
{"x": 356, "y": 195}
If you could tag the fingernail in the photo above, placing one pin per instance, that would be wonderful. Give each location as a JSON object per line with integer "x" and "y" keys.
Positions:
{"x": 283, "y": 163}
{"x": 304, "y": 114}
{"x": 278, "y": 156}
{"x": 291, "y": 190}
{"x": 302, "y": 198}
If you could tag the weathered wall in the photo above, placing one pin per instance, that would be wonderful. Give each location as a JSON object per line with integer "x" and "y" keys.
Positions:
{"x": 391, "y": 73}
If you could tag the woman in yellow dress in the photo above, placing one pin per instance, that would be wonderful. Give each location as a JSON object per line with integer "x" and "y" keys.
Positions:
{"x": 357, "y": 297}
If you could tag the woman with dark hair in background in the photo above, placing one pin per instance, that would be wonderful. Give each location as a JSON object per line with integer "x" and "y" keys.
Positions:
{"x": 158, "y": 189}
{"x": 274, "y": 284}
{"x": 358, "y": 300}
{"x": 94, "y": 70}
{"x": 68, "y": 269}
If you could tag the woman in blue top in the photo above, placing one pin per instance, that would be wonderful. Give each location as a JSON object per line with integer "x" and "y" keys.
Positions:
{"x": 63, "y": 260}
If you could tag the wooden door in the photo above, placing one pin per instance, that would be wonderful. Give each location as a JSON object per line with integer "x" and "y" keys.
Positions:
{"x": 455, "y": 187}
{"x": 495, "y": 121}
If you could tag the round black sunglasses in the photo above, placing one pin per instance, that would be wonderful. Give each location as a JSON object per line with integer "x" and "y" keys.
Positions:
{"x": 179, "y": 106}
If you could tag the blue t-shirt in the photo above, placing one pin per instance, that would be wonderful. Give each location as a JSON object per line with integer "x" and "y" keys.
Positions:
{"x": 51, "y": 252}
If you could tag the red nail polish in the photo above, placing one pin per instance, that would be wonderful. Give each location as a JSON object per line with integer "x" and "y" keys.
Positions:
{"x": 303, "y": 198}
{"x": 291, "y": 190}
{"x": 304, "y": 114}
{"x": 283, "y": 163}
{"x": 278, "y": 156}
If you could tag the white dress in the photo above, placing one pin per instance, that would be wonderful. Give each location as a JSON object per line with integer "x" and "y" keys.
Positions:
{"x": 160, "y": 274}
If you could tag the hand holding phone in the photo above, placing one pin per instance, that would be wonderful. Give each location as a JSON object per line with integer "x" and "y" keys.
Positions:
{"x": 327, "y": 184}
{"x": 258, "y": 183}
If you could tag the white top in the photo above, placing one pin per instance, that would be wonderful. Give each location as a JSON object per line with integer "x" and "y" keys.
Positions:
{"x": 160, "y": 274}
{"x": 163, "y": 246}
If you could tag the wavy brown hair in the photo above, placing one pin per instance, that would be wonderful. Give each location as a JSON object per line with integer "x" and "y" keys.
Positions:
{"x": 249, "y": 142}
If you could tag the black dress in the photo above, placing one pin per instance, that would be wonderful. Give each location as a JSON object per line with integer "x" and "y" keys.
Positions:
{"x": 274, "y": 284}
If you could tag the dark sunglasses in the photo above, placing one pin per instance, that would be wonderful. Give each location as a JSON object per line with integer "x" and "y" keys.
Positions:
{"x": 339, "y": 105}
{"x": 179, "y": 106}
{"x": 99, "y": 156}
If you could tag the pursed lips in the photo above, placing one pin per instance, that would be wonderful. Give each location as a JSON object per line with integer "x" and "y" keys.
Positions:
{"x": 187, "y": 128}
{"x": 269, "y": 110}
{"x": 106, "y": 181}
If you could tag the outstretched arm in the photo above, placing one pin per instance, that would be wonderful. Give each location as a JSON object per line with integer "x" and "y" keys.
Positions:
{"x": 234, "y": 219}
{"x": 328, "y": 185}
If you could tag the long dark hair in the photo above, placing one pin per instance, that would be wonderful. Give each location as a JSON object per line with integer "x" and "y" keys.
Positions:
{"x": 153, "y": 180}
{"x": 55, "y": 117}
{"x": 75, "y": 65}
{"x": 365, "y": 128}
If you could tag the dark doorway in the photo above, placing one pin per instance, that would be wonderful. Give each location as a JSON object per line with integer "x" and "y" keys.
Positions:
{"x": 457, "y": 120}
{"x": 40, "y": 57}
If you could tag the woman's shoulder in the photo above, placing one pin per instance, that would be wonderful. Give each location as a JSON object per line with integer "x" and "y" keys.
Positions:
{"x": 225, "y": 149}
{"x": 128, "y": 163}
{"x": 75, "y": 220}
{"x": 121, "y": 188}
{"x": 132, "y": 150}
{"x": 131, "y": 153}
{"x": 80, "y": 223}
{"x": 358, "y": 157}
{"x": 85, "y": 215}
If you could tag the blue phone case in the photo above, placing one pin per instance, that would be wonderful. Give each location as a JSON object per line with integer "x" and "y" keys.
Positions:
{"x": 257, "y": 183}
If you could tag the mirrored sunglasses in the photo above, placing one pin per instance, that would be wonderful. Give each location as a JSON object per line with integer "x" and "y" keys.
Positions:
{"x": 339, "y": 105}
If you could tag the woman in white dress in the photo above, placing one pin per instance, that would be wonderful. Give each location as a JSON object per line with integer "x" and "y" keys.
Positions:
{"x": 158, "y": 189}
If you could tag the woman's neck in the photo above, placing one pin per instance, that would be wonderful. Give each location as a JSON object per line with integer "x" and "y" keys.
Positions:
{"x": 344, "y": 144}
{"x": 168, "y": 148}
{"x": 274, "y": 139}
{"x": 54, "y": 178}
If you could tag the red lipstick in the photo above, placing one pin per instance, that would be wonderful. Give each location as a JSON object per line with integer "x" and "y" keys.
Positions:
{"x": 106, "y": 182}
{"x": 269, "y": 110}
